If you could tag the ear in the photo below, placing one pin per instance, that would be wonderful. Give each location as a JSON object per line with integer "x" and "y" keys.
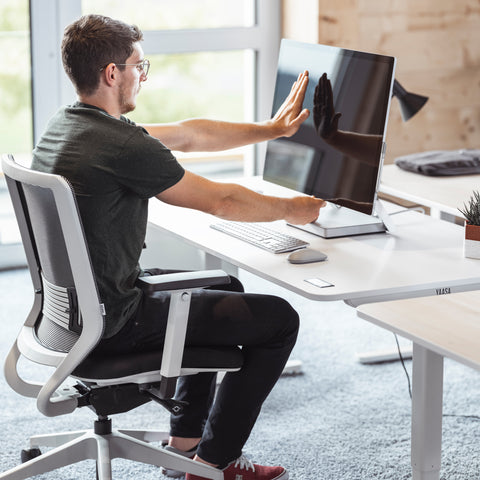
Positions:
{"x": 109, "y": 74}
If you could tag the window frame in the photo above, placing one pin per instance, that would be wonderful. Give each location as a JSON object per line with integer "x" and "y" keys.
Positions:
{"x": 49, "y": 17}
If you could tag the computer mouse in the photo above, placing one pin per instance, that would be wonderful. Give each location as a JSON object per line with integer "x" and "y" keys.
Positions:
{"x": 306, "y": 255}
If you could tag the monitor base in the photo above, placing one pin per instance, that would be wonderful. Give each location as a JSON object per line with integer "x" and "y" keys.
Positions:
{"x": 335, "y": 221}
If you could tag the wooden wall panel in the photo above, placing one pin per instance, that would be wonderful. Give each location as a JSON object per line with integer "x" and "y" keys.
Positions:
{"x": 437, "y": 45}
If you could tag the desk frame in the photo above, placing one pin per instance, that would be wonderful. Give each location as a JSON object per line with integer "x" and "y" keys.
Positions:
{"x": 427, "y": 407}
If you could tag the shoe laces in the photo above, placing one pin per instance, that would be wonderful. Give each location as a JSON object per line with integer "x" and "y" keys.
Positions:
{"x": 244, "y": 463}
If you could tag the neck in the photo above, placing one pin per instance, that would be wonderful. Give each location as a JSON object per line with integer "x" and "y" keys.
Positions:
{"x": 102, "y": 102}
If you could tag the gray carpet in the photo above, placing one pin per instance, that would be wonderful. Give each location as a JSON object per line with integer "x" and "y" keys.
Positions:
{"x": 337, "y": 420}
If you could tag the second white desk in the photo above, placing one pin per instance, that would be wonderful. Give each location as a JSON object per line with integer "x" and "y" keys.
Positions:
{"x": 443, "y": 195}
{"x": 447, "y": 327}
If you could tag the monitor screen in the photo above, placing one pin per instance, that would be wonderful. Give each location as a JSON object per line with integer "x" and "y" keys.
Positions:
{"x": 337, "y": 152}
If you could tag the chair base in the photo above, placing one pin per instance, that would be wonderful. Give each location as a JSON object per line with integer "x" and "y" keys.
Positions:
{"x": 103, "y": 446}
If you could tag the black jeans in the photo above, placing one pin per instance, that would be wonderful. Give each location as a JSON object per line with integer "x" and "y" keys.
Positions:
{"x": 265, "y": 326}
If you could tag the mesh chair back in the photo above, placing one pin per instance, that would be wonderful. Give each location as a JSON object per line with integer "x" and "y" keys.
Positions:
{"x": 56, "y": 316}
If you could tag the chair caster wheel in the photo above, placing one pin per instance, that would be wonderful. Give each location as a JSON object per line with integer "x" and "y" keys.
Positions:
{"x": 29, "y": 454}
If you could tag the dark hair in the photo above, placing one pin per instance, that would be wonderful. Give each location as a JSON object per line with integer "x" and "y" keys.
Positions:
{"x": 91, "y": 43}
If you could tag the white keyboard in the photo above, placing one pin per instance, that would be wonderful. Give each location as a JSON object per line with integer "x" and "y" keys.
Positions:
{"x": 260, "y": 236}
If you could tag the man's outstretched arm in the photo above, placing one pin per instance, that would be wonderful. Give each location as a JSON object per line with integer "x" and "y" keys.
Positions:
{"x": 234, "y": 202}
{"x": 203, "y": 135}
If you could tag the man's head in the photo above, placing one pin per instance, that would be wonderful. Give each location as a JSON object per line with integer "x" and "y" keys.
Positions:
{"x": 92, "y": 43}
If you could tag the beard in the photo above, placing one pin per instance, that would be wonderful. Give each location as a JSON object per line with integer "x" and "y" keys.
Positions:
{"x": 127, "y": 101}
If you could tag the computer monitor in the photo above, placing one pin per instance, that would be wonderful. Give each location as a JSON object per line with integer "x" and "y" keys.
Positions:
{"x": 342, "y": 164}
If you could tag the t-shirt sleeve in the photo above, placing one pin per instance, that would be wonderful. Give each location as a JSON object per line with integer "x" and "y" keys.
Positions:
{"x": 146, "y": 166}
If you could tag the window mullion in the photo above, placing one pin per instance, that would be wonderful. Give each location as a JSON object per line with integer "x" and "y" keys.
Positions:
{"x": 48, "y": 19}
{"x": 268, "y": 17}
{"x": 189, "y": 41}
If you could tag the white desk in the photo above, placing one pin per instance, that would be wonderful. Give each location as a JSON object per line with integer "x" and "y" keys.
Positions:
{"x": 440, "y": 194}
{"x": 438, "y": 327}
{"x": 424, "y": 257}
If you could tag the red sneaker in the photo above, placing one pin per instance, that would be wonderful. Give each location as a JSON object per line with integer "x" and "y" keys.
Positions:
{"x": 244, "y": 469}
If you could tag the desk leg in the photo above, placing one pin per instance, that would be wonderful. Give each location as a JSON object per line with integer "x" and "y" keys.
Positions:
{"x": 427, "y": 393}
{"x": 212, "y": 262}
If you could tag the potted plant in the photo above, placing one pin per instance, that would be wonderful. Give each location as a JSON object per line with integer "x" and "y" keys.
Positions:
{"x": 471, "y": 212}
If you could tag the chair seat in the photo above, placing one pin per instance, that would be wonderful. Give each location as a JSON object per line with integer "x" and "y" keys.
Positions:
{"x": 103, "y": 367}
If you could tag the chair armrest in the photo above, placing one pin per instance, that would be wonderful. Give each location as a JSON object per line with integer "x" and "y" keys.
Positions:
{"x": 183, "y": 280}
{"x": 180, "y": 285}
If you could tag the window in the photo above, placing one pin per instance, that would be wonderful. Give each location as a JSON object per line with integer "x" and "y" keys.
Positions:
{"x": 15, "y": 115}
{"x": 207, "y": 84}
{"x": 210, "y": 58}
{"x": 15, "y": 98}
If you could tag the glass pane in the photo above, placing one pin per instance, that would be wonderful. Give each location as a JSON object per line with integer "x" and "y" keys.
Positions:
{"x": 165, "y": 14}
{"x": 206, "y": 84}
{"x": 15, "y": 91}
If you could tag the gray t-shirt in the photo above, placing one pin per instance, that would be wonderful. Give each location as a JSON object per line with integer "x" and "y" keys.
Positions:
{"x": 114, "y": 167}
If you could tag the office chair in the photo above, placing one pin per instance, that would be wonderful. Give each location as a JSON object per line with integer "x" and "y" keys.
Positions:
{"x": 65, "y": 324}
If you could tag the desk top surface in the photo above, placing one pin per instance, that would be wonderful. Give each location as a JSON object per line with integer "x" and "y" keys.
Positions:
{"x": 447, "y": 325}
{"x": 423, "y": 254}
{"x": 446, "y": 194}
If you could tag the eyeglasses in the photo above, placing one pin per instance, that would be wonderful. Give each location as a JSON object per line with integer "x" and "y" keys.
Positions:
{"x": 142, "y": 67}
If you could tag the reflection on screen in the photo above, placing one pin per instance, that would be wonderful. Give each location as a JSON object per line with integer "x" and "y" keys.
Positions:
{"x": 336, "y": 153}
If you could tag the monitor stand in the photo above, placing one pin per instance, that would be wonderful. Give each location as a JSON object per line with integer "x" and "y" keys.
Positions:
{"x": 335, "y": 221}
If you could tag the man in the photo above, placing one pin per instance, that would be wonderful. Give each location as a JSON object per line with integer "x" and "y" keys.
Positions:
{"x": 115, "y": 166}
